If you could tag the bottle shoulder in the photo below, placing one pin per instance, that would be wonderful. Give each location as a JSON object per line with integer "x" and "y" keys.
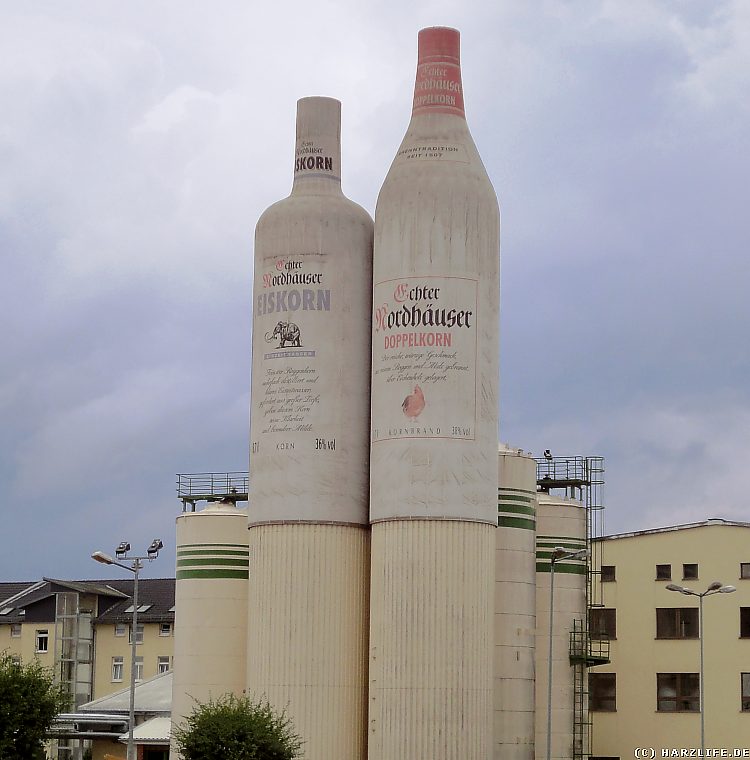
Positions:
{"x": 304, "y": 206}
{"x": 437, "y": 153}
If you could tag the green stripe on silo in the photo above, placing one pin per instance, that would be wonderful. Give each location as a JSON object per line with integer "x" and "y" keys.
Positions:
{"x": 218, "y": 552}
{"x": 501, "y": 496}
{"x": 566, "y": 542}
{"x": 218, "y": 561}
{"x": 515, "y": 522}
{"x": 212, "y": 573}
{"x": 561, "y": 567}
{"x": 547, "y": 552}
{"x": 549, "y": 539}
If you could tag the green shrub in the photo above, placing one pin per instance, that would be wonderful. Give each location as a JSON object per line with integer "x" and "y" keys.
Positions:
{"x": 29, "y": 701}
{"x": 237, "y": 728}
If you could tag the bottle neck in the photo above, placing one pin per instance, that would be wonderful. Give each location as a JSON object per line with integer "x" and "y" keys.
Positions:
{"x": 317, "y": 152}
{"x": 438, "y": 87}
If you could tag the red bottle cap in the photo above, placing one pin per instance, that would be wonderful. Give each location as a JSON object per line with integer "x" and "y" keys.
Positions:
{"x": 438, "y": 87}
{"x": 439, "y": 43}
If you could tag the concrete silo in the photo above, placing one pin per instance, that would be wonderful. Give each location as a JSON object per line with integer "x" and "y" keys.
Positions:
{"x": 308, "y": 518}
{"x": 433, "y": 465}
{"x": 561, "y": 522}
{"x": 210, "y": 631}
{"x": 515, "y": 606}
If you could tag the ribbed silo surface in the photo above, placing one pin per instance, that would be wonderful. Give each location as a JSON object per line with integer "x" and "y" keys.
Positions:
{"x": 561, "y": 523}
{"x": 210, "y": 606}
{"x": 321, "y": 686}
{"x": 420, "y": 690}
{"x": 515, "y": 606}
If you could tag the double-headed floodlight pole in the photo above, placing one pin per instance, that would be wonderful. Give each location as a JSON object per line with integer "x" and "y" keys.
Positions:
{"x": 558, "y": 554}
{"x": 121, "y": 552}
{"x": 717, "y": 587}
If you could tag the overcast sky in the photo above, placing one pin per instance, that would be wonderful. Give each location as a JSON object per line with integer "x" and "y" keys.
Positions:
{"x": 140, "y": 142}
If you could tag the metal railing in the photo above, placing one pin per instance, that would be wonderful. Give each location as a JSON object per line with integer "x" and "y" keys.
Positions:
{"x": 211, "y": 486}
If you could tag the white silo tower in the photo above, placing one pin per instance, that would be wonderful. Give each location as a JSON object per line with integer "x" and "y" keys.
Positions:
{"x": 310, "y": 422}
{"x": 515, "y": 606}
{"x": 561, "y": 523}
{"x": 434, "y": 430}
{"x": 210, "y": 629}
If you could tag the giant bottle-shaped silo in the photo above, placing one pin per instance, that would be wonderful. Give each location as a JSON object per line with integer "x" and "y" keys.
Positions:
{"x": 210, "y": 632}
{"x": 515, "y": 606}
{"x": 560, "y": 522}
{"x": 308, "y": 518}
{"x": 433, "y": 465}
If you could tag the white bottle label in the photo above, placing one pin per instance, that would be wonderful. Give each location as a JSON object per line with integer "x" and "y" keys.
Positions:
{"x": 291, "y": 314}
{"x": 424, "y": 358}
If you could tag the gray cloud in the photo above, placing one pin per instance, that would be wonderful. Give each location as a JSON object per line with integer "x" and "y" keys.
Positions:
{"x": 140, "y": 143}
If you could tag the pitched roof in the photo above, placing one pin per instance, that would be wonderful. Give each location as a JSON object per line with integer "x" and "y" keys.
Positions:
{"x": 155, "y": 593}
{"x": 712, "y": 522}
{"x": 153, "y": 731}
{"x": 151, "y": 696}
{"x": 115, "y": 597}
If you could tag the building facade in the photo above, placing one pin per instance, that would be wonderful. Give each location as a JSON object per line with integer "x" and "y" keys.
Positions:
{"x": 648, "y": 695}
{"x": 82, "y": 630}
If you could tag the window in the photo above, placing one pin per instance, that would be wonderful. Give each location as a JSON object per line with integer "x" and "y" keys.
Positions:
{"x": 15, "y": 631}
{"x": 745, "y": 622}
{"x": 744, "y": 569}
{"x": 162, "y": 664}
{"x": 42, "y": 641}
{"x": 165, "y": 629}
{"x": 607, "y": 573}
{"x": 141, "y": 608}
{"x": 664, "y": 572}
{"x": 138, "y": 634}
{"x": 602, "y": 692}
{"x": 677, "y": 623}
{"x": 16, "y": 659}
{"x": 689, "y": 572}
{"x": 603, "y": 623}
{"x": 139, "y": 668}
{"x": 120, "y": 629}
{"x": 745, "y": 686}
{"x": 677, "y": 692}
{"x": 117, "y": 666}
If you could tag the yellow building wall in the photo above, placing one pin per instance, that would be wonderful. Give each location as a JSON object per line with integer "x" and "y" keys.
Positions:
{"x": 107, "y": 646}
{"x": 25, "y": 645}
{"x": 637, "y": 656}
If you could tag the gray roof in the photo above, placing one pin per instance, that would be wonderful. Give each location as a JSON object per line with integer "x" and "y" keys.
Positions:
{"x": 158, "y": 593}
{"x": 114, "y": 597}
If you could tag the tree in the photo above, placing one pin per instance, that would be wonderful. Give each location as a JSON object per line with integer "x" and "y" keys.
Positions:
{"x": 29, "y": 701}
{"x": 237, "y": 728}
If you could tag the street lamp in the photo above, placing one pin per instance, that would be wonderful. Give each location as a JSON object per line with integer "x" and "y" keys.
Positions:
{"x": 717, "y": 587}
{"x": 121, "y": 552}
{"x": 558, "y": 553}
